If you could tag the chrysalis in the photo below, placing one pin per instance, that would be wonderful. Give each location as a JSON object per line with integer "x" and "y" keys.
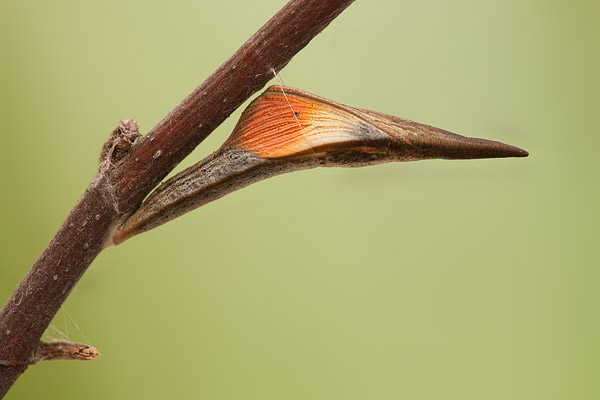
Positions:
{"x": 287, "y": 129}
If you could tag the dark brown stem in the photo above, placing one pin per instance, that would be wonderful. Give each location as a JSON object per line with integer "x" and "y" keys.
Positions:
{"x": 121, "y": 184}
{"x": 243, "y": 74}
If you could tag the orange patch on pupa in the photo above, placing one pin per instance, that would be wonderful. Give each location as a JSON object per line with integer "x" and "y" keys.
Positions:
{"x": 285, "y": 121}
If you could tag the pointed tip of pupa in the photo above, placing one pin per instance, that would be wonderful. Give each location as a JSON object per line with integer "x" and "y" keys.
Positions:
{"x": 438, "y": 143}
{"x": 472, "y": 148}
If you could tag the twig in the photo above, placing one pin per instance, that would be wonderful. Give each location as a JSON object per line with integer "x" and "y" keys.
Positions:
{"x": 58, "y": 350}
{"x": 121, "y": 184}
{"x": 64, "y": 350}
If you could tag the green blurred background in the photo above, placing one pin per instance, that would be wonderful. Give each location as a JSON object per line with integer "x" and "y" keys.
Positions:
{"x": 427, "y": 280}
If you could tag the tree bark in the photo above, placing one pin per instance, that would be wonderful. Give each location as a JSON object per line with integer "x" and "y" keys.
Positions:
{"x": 128, "y": 173}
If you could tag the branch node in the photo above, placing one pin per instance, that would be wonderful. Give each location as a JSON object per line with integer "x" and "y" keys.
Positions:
{"x": 119, "y": 143}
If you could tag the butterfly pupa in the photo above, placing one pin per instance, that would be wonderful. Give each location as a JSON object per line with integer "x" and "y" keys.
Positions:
{"x": 286, "y": 129}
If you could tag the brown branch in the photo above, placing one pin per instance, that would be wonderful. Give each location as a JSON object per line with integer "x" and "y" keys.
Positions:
{"x": 126, "y": 177}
